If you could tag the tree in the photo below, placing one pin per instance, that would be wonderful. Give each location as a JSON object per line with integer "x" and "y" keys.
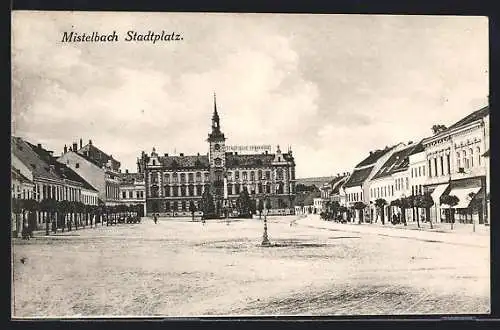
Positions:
{"x": 244, "y": 204}
{"x": 31, "y": 205}
{"x": 437, "y": 128}
{"x": 334, "y": 208}
{"x": 192, "y": 209}
{"x": 450, "y": 200}
{"x": 49, "y": 206}
{"x": 360, "y": 206}
{"x": 411, "y": 201}
{"x": 16, "y": 209}
{"x": 425, "y": 201}
{"x": 207, "y": 205}
{"x": 380, "y": 204}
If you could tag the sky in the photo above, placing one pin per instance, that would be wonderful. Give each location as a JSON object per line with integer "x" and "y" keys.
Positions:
{"x": 332, "y": 87}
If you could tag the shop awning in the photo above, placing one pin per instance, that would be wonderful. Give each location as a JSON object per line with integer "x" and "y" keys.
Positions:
{"x": 436, "y": 194}
{"x": 464, "y": 197}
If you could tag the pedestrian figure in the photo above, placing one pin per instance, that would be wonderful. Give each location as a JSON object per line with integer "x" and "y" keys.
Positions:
{"x": 155, "y": 219}
{"x": 54, "y": 227}
{"x": 25, "y": 232}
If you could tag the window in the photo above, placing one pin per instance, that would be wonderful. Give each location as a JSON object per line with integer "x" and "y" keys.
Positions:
{"x": 252, "y": 176}
{"x": 218, "y": 161}
{"x": 413, "y": 190}
{"x": 229, "y": 176}
{"x": 183, "y": 206}
{"x": 167, "y": 178}
{"x": 244, "y": 175}
{"x": 183, "y": 191}
{"x": 279, "y": 174}
{"x": 458, "y": 161}
{"x": 435, "y": 168}
{"x": 430, "y": 168}
{"x": 77, "y": 165}
{"x": 465, "y": 161}
{"x": 183, "y": 177}
{"x": 190, "y": 177}
{"x": 448, "y": 164}
{"x": 442, "y": 165}
{"x": 471, "y": 157}
{"x": 154, "y": 162}
{"x": 412, "y": 172}
{"x": 237, "y": 175}
{"x": 207, "y": 177}
{"x": 259, "y": 175}
{"x": 478, "y": 152}
{"x": 237, "y": 188}
{"x": 198, "y": 177}
{"x": 175, "y": 191}
{"x": 268, "y": 175}
{"x": 392, "y": 190}
{"x": 130, "y": 194}
{"x": 419, "y": 171}
{"x": 191, "y": 190}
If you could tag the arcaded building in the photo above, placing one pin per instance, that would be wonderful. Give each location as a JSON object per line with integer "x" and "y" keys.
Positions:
{"x": 174, "y": 183}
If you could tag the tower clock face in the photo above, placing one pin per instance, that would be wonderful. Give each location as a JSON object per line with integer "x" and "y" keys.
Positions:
{"x": 217, "y": 147}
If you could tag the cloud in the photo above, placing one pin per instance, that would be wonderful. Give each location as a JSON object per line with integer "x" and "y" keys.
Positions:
{"x": 332, "y": 87}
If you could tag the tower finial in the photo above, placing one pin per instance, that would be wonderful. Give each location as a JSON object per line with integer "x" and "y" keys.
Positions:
{"x": 215, "y": 103}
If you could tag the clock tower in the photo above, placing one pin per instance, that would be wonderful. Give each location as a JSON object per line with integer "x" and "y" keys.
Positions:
{"x": 217, "y": 158}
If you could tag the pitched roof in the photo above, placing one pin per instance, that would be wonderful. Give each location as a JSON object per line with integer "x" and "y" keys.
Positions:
{"x": 399, "y": 161}
{"x": 97, "y": 156}
{"x": 338, "y": 184}
{"x": 60, "y": 169}
{"x": 130, "y": 178}
{"x": 374, "y": 156}
{"x": 19, "y": 176}
{"x": 22, "y": 150}
{"x": 254, "y": 160}
{"x": 358, "y": 177}
{"x": 173, "y": 162}
{"x": 478, "y": 114}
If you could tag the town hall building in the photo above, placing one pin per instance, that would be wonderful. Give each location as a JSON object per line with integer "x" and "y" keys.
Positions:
{"x": 175, "y": 183}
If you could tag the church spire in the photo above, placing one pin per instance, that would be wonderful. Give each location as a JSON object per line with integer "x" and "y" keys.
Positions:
{"x": 215, "y": 116}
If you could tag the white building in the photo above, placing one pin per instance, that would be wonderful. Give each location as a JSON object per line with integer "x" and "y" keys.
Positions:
{"x": 455, "y": 166}
{"x": 392, "y": 182}
{"x": 133, "y": 189}
{"x": 96, "y": 167}
{"x": 356, "y": 188}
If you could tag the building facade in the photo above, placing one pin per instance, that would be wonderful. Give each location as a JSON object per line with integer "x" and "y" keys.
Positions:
{"x": 133, "y": 189}
{"x": 455, "y": 166}
{"x": 101, "y": 170}
{"x": 51, "y": 180}
{"x": 177, "y": 183}
{"x": 357, "y": 188}
{"x": 392, "y": 182}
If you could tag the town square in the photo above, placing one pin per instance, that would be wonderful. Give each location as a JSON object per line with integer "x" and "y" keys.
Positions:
{"x": 242, "y": 179}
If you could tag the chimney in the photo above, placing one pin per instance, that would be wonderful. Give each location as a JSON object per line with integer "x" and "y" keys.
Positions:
{"x": 371, "y": 153}
{"x": 75, "y": 146}
{"x": 70, "y": 149}
{"x": 39, "y": 146}
{"x": 52, "y": 168}
{"x": 266, "y": 152}
{"x": 126, "y": 171}
{"x": 197, "y": 154}
{"x": 90, "y": 142}
{"x": 81, "y": 143}
{"x": 181, "y": 154}
{"x": 65, "y": 149}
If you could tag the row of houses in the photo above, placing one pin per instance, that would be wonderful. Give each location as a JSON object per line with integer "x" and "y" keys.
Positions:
{"x": 453, "y": 161}
{"x": 80, "y": 173}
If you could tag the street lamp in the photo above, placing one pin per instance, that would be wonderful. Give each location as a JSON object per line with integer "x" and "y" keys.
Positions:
{"x": 265, "y": 238}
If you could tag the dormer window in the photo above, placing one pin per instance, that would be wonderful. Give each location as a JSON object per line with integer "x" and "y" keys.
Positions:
{"x": 154, "y": 162}
{"x": 77, "y": 165}
{"x": 217, "y": 146}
